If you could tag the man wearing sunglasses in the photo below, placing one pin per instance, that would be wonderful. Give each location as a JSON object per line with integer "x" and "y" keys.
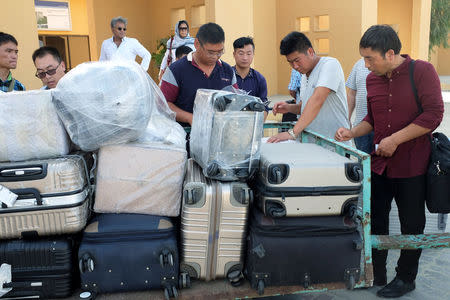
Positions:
{"x": 120, "y": 47}
{"x": 200, "y": 69}
{"x": 8, "y": 62}
{"x": 50, "y": 68}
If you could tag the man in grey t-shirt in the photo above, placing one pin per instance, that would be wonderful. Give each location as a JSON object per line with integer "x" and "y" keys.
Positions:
{"x": 324, "y": 102}
{"x": 357, "y": 100}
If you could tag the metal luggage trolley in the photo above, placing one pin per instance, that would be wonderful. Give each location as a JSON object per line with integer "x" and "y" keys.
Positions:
{"x": 221, "y": 289}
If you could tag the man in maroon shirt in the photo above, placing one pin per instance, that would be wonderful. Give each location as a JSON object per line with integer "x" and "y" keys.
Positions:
{"x": 402, "y": 146}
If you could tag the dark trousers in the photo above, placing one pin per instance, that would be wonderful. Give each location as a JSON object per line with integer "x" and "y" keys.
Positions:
{"x": 409, "y": 194}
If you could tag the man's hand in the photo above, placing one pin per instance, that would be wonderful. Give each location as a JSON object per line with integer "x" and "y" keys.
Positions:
{"x": 283, "y": 107}
{"x": 283, "y": 136}
{"x": 343, "y": 134}
{"x": 387, "y": 147}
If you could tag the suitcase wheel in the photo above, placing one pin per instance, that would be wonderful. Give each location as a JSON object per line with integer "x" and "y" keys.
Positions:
{"x": 306, "y": 281}
{"x": 86, "y": 263}
{"x": 184, "y": 281}
{"x": 166, "y": 258}
{"x": 275, "y": 209}
{"x": 213, "y": 169}
{"x": 220, "y": 104}
{"x": 236, "y": 278}
{"x": 351, "y": 282}
{"x": 87, "y": 295}
{"x": 254, "y": 106}
{"x": 260, "y": 287}
{"x": 277, "y": 173}
{"x": 354, "y": 172}
{"x": 242, "y": 173}
{"x": 170, "y": 292}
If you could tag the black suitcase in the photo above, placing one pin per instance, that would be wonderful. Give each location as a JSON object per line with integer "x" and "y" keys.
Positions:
{"x": 129, "y": 252}
{"x": 40, "y": 268}
{"x": 302, "y": 251}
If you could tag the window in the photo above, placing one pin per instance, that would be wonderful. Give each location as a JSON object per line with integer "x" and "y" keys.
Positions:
{"x": 303, "y": 24}
{"x": 322, "y": 23}
{"x": 176, "y": 15}
{"x": 198, "y": 15}
{"x": 323, "y": 46}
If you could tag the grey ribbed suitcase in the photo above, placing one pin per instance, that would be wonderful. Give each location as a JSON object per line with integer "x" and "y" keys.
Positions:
{"x": 54, "y": 197}
{"x": 213, "y": 226}
{"x": 302, "y": 179}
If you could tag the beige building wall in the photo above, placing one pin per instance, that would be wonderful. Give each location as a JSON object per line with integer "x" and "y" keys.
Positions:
{"x": 18, "y": 18}
{"x": 346, "y": 25}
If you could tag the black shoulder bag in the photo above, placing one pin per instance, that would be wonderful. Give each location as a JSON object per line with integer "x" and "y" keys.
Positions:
{"x": 438, "y": 174}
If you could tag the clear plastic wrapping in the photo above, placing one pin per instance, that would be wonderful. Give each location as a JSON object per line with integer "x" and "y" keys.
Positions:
{"x": 140, "y": 178}
{"x": 30, "y": 127}
{"x": 105, "y": 103}
{"x": 226, "y": 134}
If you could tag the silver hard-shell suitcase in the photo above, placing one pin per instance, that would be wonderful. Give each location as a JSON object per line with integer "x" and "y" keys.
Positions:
{"x": 213, "y": 226}
{"x": 226, "y": 134}
{"x": 303, "y": 179}
{"x": 54, "y": 197}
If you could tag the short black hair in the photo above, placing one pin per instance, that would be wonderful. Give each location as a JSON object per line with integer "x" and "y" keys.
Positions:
{"x": 381, "y": 38}
{"x": 43, "y": 51}
{"x": 210, "y": 33}
{"x": 5, "y": 38}
{"x": 183, "y": 22}
{"x": 294, "y": 41}
{"x": 242, "y": 42}
{"x": 182, "y": 50}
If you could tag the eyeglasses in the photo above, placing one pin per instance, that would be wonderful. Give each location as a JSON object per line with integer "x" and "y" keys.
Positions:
{"x": 212, "y": 53}
{"x": 121, "y": 28}
{"x": 182, "y": 28}
{"x": 41, "y": 75}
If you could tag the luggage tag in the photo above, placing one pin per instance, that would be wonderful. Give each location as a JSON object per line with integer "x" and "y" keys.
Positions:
{"x": 7, "y": 197}
{"x": 5, "y": 277}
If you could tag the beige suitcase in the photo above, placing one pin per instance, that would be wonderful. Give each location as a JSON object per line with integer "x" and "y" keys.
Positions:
{"x": 140, "y": 178}
{"x": 213, "y": 226}
{"x": 54, "y": 197}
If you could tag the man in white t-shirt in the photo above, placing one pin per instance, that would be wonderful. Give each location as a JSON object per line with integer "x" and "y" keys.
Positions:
{"x": 324, "y": 103}
{"x": 357, "y": 100}
{"x": 120, "y": 47}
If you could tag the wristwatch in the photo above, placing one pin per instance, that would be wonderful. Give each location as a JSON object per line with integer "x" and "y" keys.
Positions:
{"x": 292, "y": 134}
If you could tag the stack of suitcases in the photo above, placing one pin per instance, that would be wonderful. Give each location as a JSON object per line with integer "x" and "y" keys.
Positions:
{"x": 303, "y": 226}
{"x": 45, "y": 195}
{"x": 225, "y": 140}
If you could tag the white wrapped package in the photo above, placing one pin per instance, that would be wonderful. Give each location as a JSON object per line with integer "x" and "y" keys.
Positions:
{"x": 140, "y": 178}
{"x": 226, "y": 134}
{"x": 30, "y": 127}
{"x": 104, "y": 103}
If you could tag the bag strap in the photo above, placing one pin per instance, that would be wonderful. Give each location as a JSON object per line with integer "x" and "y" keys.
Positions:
{"x": 11, "y": 85}
{"x": 413, "y": 85}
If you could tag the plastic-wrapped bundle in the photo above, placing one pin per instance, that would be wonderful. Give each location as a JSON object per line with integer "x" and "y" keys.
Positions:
{"x": 226, "y": 134}
{"x": 30, "y": 127}
{"x": 102, "y": 103}
{"x": 140, "y": 178}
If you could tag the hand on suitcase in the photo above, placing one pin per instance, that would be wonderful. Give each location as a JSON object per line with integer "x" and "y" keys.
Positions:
{"x": 343, "y": 134}
{"x": 283, "y": 136}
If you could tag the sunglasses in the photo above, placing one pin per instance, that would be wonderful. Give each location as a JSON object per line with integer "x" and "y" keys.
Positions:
{"x": 121, "y": 28}
{"x": 182, "y": 28}
{"x": 41, "y": 75}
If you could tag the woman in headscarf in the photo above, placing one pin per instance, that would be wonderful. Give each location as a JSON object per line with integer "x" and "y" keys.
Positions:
{"x": 181, "y": 38}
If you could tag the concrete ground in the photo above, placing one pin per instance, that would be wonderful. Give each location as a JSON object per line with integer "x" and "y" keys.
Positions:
{"x": 433, "y": 281}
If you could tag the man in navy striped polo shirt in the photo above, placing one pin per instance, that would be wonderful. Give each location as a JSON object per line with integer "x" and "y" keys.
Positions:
{"x": 201, "y": 69}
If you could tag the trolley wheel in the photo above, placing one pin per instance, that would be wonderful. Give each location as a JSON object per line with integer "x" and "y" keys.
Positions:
{"x": 213, "y": 169}
{"x": 161, "y": 260}
{"x": 220, "y": 104}
{"x": 260, "y": 287}
{"x": 306, "y": 281}
{"x": 351, "y": 282}
{"x": 235, "y": 278}
{"x": 87, "y": 295}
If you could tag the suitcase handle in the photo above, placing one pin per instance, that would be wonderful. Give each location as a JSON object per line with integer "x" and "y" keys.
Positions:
{"x": 22, "y": 173}
{"x": 29, "y": 191}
